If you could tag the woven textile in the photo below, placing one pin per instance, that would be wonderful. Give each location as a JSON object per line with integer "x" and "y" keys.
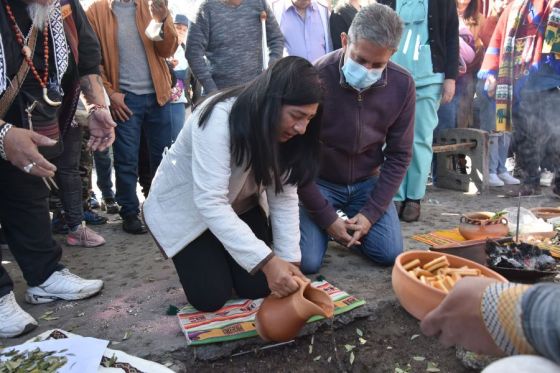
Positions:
{"x": 501, "y": 311}
{"x": 236, "y": 320}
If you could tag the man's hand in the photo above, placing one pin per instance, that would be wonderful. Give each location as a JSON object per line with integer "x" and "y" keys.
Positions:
{"x": 458, "y": 319}
{"x": 119, "y": 110}
{"x": 21, "y": 145}
{"x": 101, "y": 130}
{"x": 448, "y": 91}
{"x": 158, "y": 10}
{"x": 360, "y": 225}
{"x": 339, "y": 232}
{"x": 280, "y": 276}
{"x": 490, "y": 85}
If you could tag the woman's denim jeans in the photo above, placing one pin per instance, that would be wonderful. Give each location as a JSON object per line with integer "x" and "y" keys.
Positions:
{"x": 381, "y": 245}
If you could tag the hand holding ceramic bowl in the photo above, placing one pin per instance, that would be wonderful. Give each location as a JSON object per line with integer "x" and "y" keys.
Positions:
{"x": 418, "y": 298}
{"x": 281, "y": 319}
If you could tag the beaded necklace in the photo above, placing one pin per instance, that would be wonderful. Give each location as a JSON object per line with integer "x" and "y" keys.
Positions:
{"x": 27, "y": 53}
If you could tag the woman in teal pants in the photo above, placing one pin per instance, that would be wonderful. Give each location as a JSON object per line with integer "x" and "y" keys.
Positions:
{"x": 429, "y": 49}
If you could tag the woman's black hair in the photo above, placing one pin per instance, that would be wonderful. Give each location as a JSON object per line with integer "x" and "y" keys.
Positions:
{"x": 254, "y": 123}
{"x": 471, "y": 14}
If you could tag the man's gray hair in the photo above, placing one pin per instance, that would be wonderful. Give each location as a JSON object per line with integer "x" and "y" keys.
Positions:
{"x": 378, "y": 24}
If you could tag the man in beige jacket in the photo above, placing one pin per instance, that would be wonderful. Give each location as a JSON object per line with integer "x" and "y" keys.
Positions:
{"x": 136, "y": 36}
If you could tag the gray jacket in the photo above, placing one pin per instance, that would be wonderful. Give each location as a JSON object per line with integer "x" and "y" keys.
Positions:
{"x": 224, "y": 44}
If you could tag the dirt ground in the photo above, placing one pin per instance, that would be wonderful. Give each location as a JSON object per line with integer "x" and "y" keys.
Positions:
{"x": 140, "y": 285}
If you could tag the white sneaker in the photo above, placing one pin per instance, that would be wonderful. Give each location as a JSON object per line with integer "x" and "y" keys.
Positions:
{"x": 63, "y": 285}
{"x": 546, "y": 178}
{"x": 15, "y": 321}
{"x": 495, "y": 181}
{"x": 508, "y": 179}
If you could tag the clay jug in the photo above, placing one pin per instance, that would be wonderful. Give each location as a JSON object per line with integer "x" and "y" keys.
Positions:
{"x": 281, "y": 319}
{"x": 481, "y": 226}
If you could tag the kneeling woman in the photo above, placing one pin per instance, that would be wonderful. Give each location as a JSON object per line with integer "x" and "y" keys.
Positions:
{"x": 243, "y": 149}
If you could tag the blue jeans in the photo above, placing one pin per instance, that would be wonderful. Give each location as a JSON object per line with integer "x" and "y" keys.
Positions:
{"x": 383, "y": 242}
{"x": 103, "y": 167}
{"x": 178, "y": 116}
{"x": 498, "y": 149}
{"x": 156, "y": 121}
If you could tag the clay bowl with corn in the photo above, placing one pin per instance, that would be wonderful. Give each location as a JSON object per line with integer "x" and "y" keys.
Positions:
{"x": 422, "y": 279}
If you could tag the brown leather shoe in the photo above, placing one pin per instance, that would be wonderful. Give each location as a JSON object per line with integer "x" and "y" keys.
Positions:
{"x": 411, "y": 211}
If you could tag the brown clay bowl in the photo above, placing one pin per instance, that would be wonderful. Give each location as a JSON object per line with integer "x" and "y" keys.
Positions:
{"x": 479, "y": 226}
{"x": 546, "y": 213}
{"x": 417, "y": 298}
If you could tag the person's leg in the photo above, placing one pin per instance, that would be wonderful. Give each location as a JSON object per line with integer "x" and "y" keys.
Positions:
{"x": 551, "y": 103}
{"x": 487, "y": 117}
{"x": 413, "y": 187}
{"x": 504, "y": 144}
{"x": 204, "y": 272}
{"x": 125, "y": 151}
{"x": 530, "y": 134}
{"x": 503, "y": 174}
{"x": 446, "y": 119}
{"x": 159, "y": 132}
{"x": 384, "y": 242}
{"x": 425, "y": 121}
{"x": 103, "y": 167}
{"x": 86, "y": 161}
{"x": 70, "y": 184}
{"x": 68, "y": 177}
{"x": 178, "y": 116}
{"x": 487, "y": 109}
{"x": 494, "y": 152}
{"x": 144, "y": 170}
{"x": 465, "y": 105}
{"x": 25, "y": 219}
{"x": 314, "y": 239}
{"x": 247, "y": 285}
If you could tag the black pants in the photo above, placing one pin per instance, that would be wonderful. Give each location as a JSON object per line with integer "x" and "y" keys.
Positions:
{"x": 208, "y": 273}
{"x": 537, "y": 134}
{"x": 68, "y": 177}
{"x": 25, "y": 220}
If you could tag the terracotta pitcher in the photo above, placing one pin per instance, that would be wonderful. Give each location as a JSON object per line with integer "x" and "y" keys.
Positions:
{"x": 281, "y": 319}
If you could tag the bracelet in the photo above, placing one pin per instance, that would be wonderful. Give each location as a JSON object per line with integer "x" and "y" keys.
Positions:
{"x": 96, "y": 107}
{"x": 3, "y": 131}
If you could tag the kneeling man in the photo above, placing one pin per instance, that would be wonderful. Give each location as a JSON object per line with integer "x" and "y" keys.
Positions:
{"x": 367, "y": 133}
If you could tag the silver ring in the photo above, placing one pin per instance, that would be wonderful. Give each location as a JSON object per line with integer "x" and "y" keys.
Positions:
{"x": 29, "y": 167}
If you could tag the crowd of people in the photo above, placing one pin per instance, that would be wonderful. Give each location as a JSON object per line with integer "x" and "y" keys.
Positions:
{"x": 258, "y": 132}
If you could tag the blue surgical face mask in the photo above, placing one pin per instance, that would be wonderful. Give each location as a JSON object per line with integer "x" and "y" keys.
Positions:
{"x": 359, "y": 76}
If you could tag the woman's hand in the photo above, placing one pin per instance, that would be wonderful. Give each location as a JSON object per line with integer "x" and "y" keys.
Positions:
{"x": 458, "y": 319}
{"x": 279, "y": 275}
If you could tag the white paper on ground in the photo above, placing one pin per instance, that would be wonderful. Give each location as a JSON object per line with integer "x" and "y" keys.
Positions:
{"x": 84, "y": 354}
